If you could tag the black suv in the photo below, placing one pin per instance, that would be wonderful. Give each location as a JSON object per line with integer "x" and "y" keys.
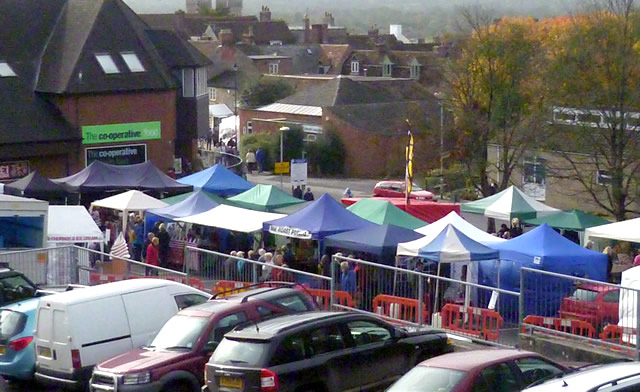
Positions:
{"x": 14, "y": 286}
{"x": 318, "y": 351}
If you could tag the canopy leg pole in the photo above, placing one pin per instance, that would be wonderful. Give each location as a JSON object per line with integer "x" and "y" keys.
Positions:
{"x": 435, "y": 303}
{"x": 498, "y": 301}
{"x": 467, "y": 288}
{"x": 395, "y": 276}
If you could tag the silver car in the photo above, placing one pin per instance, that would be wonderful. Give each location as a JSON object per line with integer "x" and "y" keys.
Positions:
{"x": 614, "y": 377}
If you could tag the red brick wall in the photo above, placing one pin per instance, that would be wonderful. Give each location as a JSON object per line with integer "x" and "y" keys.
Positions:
{"x": 263, "y": 126}
{"x": 126, "y": 108}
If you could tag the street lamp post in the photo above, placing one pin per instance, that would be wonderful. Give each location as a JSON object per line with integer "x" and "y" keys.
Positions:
{"x": 235, "y": 104}
{"x": 282, "y": 131}
{"x": 439, "y": 96}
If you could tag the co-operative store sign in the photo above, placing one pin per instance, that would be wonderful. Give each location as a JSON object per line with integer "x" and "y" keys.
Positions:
{"x": 115, "y": 133}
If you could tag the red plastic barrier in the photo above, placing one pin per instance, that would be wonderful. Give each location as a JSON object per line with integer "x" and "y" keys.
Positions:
{"x": 616, "y": 334}
{"x": 323, "y": 297}
{"x": 399, "y": 308}
{"x": 479, "y": 322}
{"x": 196, "y": 283}
{"x": 574, "y": 327}
{"x": 229, "y": 287}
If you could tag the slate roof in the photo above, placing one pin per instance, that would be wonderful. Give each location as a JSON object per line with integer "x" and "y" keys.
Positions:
{"x": 335, "y": 56}
{"x": 175, "y": 51}
{"x": 305, "y": 58}
{"x": 338, "y": 91}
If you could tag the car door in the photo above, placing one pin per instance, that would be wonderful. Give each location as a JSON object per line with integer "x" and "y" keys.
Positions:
{"x": 534, "y": 369}
{"x": 496, "y": 378}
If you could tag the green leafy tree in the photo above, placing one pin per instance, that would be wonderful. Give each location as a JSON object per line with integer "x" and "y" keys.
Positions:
{"x": 327, "y": 154}
{"x": 265, "y": 91}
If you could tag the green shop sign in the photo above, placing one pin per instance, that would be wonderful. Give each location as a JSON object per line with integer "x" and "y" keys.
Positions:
{"x": 114, "y": 133}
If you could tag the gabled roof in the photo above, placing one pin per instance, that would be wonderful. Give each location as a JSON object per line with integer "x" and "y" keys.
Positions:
{"x": 175, "y": 51}
{"x": 335, "y": 56}
{"x": 305, "y": 57}
{"x": 85, "y": 28}
{"x": 338, "y": 91}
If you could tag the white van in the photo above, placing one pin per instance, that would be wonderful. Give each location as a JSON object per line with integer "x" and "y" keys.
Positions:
{"x": 77, "y": 329}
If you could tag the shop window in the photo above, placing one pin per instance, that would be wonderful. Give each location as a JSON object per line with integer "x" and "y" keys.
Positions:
{"x": 106, "y": 63}
{"x": 132, "y": 61}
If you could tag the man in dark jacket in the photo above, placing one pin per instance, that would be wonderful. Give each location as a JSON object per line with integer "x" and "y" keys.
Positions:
{"x": 308, "y": 195}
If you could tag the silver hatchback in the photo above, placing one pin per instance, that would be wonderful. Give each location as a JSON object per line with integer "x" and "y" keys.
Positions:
{"x": 614, "y": 377}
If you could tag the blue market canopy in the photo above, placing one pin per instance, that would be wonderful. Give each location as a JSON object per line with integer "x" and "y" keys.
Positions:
{"x": 101, "y": 177}
{"x": 196, "y": 203}
{"x": 218, "y": 180}
{"x": 378, "y": 240}
{"x": 319, "y": 219}
{"x": 450, "y": 246}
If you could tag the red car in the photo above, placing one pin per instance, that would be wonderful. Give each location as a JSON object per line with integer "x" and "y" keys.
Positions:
{"x": 593, "y": 303}
{"x": 396, "y": 189}
{"x": 505, "y": 370}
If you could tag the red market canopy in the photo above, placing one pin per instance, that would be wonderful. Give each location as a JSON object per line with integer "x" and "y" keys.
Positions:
{"x": 428, "y": 211}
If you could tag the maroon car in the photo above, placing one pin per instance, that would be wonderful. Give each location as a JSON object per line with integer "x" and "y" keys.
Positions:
{"x": 504, "y": 370}
{"x": 174, "y": 361}
{"x": 396, "y": 189}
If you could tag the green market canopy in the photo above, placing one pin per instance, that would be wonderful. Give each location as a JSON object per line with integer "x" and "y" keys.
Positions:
{"x": 264, "y": 198}
{"x": 508, "y": 204}
{"x": 569, "y": 220}
{"x": 181, "y": 197}
{"x": 384, "y": 212}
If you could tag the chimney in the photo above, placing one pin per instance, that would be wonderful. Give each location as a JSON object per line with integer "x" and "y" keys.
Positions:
{"x": 225, "y": 36}
{"x": 325, "y": 19}
{"x": 248, "y": 37}
{"x": 319, "y": 34}
{"x": 332, "y": 21}
{"x": 307, "y": 29}
{"x": 373, "y": 33}
{"x": 265, "y": 14}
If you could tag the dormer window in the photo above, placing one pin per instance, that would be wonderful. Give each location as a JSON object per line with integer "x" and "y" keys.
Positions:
{"x": 387, "y": 66}
{"x": 5, "y": 70}
{"x": 107, "y": 64}
{"x": 132, "y": 61}
{"x": 355, "y": 66}
{"x": 414, "y": 69}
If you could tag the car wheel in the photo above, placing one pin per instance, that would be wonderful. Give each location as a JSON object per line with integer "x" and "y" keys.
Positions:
{"x": 312, "y": 388}
{"x": 178, "y": 387}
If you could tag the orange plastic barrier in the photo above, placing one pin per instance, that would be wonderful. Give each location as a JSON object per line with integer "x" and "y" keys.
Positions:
{"x": 615, "y": 334}
{"x": 230, "y": 287}
{"x": 323, "y": 297}
{"x": 400, "y": 308}
{"x": 196, "y": 283}
{"x": 479, "y": 322}
{"x": 95, "y": 279}
{"x": 574, "y": 327}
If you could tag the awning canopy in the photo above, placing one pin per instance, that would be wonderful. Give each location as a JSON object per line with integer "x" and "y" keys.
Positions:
{"x": 22, "y": 206}
{"x": 465, "y": 227}
{"x": 197, "y": 203}
{"x": 218, "y": 180}
{"x": 508, "y": 204}
{"x": 321, "y": 218}
{"x": 383, "y": 211}
{"x": 178, "y": 198}
{"x": 130, "y": 201}
{"x": 37, "y": 186}
{"x": 428, "y": 211}
{"x": 569, "y": 220}
{"x": 628, "y": 230}
{"x": 100, "y": 177}
{"x": 449, "y": 246}
{"x": 378, "y": 240}
{"x": 264, "y": 198}
{"x": 220, "y": 111}
{"x": 232, "y": 218}
{"x": 72, "y": 224}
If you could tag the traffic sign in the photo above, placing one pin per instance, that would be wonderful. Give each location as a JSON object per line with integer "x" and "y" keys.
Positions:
{"x": 281, "y": 168}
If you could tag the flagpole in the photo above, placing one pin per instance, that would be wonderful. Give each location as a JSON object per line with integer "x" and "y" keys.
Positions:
{"x": 408, "y": 173}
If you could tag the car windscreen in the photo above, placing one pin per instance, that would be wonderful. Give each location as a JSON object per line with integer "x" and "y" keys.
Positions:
{"x": 584, "y": 295}
{"x": 11, "y": 323}
{"x": 423, "y": 379}
{"x": 179, "y": 332}
{"x": 239, "y": 352}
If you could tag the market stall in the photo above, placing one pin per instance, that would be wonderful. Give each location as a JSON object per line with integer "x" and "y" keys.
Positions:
{"x": 131, "y": 201}
{"x": 23, "y": 222}
{"x": 454, "y": 219}
{"x": 37, "y": 186}
{"x": 232, "y": 218}
{"x": 218, "y": 180}
{"x": 508, "y": 204}
{"x": 428, "y": 211}
{"x": 264, "y": 198}
{"x": 171, "y": 200}
{"x": 384, "y": 212}
{"x": 628, "y": 230}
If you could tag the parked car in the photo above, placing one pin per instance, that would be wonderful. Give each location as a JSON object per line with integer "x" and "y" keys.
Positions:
{"x": 504, "y": 370}
{"x": 318, "y": 351}
{"x": 175, "y": 359}
{"x": 396, "y": 189}
{"x": 593, "y": 303}
{"x": 15, "y": 286}
{"x": 77, "y": 329}
{"x": 614, "y": 377}
{"x": 17, "y": 324}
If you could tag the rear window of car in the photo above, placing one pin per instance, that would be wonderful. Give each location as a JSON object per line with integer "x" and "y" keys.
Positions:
{"x": 11, "y": 323}
{"x": 423, "y": 379}
{"x": 292, "y": 302}
{"x": 584, "y": 295}
{"x": 239, "y": 352}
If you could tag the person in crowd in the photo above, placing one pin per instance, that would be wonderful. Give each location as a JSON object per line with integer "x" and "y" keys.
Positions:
{"x": 347, "y": 278}
{"x": 297, "y": 192}
{"x": 589, "y": 245}
{"x": 138, "y": 241}
{"x": 197, "y": 164}
{"x": 266, "y": 268}
{"x": 516, "y": 228}
{"x": 493, "y": 189}
{"x": 277, "y": 274}
{"x": 289, "y": 257}
{"x": 503, "y": 229}
{"x": 308, "y": 195}
{"x": 147, "y": 241}
{"x": 240, "y": 264}
{"x": 261, "y": 253}
{"x": 230, "y": 265}
{"x": 611, "y": 256}
{"x": 324, "y": 267}
{"x": 260, "y": 158}
{"x": 152, "y": 257}
{"x": 163, "y": 248}
{"x": 209, "y": 138}
{"x": 250, "y": 158}
{"x": 636, "y": 260}
{"x": 347, "y": 193}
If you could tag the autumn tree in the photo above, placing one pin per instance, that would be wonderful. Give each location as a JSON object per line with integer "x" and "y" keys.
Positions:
{"x": 594, "y": 79}
{"x": 494, "y": 91}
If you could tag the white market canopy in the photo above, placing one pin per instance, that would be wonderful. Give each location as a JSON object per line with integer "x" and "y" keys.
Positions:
{"x": 508, "y": 204}
{"x": 22, "y": 206}
{"x": 628, "y": 230}
{"x": 232, "y": 218}
{"x": 431, "y": 231}
{"x": 72, "y": 224}
{"x": 130, "y": 201}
